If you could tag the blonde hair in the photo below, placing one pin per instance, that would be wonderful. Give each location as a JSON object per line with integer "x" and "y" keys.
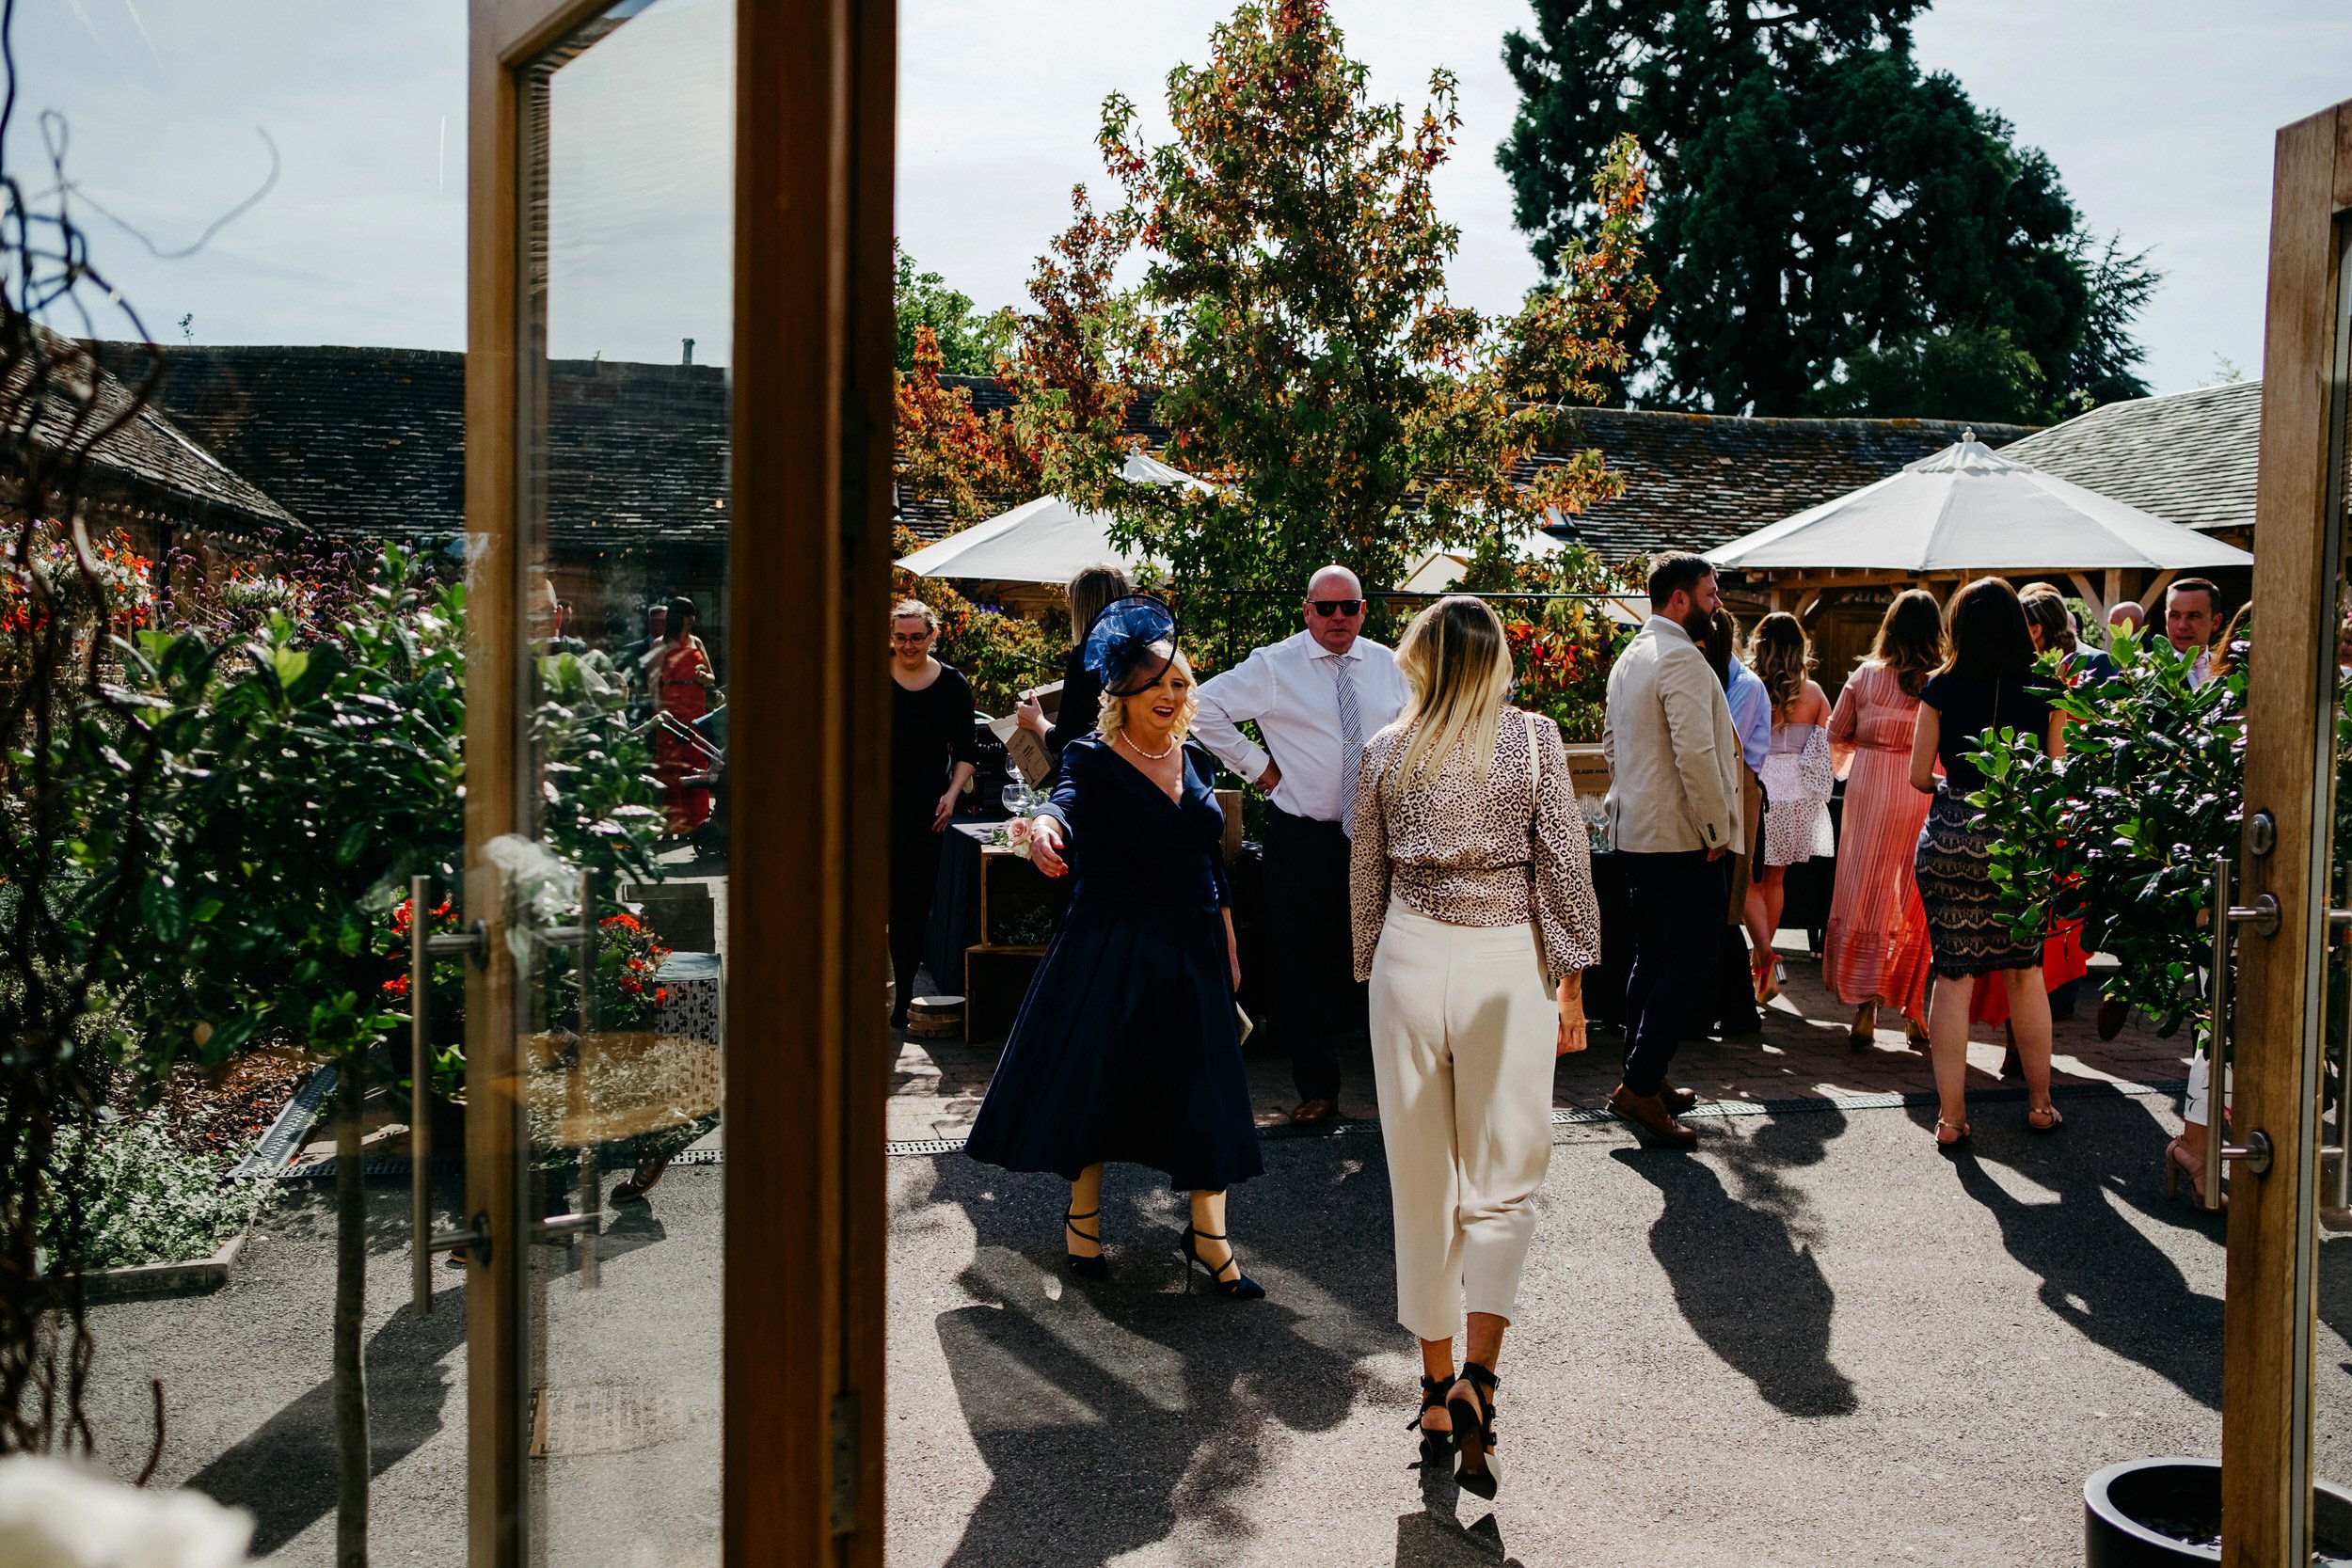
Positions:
{"x": 1783, "y": 655}
{"x": 1458, "y": 664}
{"x": 1110, "y": 719}
{"x": 906, "y": 609}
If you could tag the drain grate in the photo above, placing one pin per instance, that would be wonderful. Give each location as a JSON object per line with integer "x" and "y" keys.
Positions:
{"x": 605, "y": 1419}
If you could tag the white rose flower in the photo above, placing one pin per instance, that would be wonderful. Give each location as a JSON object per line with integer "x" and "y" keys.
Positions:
{"x": 55, "y": 1514}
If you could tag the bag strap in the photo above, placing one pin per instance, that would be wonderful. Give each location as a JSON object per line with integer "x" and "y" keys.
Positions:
{"x": 1535, "y": 760}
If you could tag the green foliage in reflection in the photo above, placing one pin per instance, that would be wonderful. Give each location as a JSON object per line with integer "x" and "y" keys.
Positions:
{"x": 596, "y": 769}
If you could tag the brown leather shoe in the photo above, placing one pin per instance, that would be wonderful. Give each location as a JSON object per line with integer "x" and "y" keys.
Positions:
{"x": 2114, "y": 1012}
{"x": 1650, "y": 1112}
{"x": 1677, "y": 1101}
{"x": 1314, "y": 1113}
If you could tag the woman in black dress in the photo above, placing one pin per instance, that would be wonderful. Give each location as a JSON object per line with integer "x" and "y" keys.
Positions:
{"x": 1988, "y": 682}
{"x": 1128, "y": 1046}
{"x": 1081, "y": 693}
{"x": 932, "y": 757}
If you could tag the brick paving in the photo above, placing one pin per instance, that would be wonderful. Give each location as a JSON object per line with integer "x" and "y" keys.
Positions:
{"x": 1802, "y": 1053}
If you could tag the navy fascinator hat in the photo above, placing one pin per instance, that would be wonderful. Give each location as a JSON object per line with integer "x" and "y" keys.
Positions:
{"x": 1130, "y": 642}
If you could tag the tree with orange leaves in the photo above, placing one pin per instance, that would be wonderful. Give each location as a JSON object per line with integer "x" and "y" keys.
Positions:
{"x": 1295, "y": 316}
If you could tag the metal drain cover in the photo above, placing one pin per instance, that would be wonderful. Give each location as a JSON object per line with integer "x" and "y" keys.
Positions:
{"x": 605, "y": 1419}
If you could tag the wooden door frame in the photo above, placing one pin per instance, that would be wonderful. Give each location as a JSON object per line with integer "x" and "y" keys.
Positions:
{"x": 806, "y": 1066}
{"x": 2270, "y": 1292}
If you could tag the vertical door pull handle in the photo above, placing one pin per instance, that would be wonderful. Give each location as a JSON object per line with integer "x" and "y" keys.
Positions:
{"x": 2263, "y": 914}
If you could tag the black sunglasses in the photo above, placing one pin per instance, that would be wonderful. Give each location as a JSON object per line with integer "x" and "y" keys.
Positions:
{"x": 1327, "y": 608}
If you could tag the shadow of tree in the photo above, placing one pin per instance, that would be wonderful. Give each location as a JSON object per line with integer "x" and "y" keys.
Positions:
{"x": 284, "y": 1471}
{"x": 1742, "y": 1268}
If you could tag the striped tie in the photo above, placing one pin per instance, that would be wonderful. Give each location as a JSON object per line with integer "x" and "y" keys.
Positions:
{"x": 1351, "y": 738}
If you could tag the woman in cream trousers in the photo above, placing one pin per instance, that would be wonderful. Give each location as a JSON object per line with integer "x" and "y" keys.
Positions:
{"x": 1474, "y": 919}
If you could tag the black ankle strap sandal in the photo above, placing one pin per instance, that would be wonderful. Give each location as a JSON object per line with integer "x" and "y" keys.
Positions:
{"x": 1096, "y": 1267}
{"x": 1474, "y": 1430}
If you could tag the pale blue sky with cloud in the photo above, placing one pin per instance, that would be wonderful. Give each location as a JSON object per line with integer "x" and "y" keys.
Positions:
{"x": 2161, "y": 114}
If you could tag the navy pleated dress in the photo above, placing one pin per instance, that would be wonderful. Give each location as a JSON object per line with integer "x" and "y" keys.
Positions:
{"x": 1127, "y": 1047}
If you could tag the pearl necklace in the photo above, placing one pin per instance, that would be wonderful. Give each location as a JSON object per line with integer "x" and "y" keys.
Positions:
{"x": 1155, "y": 756}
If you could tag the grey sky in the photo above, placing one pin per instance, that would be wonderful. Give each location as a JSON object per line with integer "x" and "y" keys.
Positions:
{"x": 2159, "y": 113}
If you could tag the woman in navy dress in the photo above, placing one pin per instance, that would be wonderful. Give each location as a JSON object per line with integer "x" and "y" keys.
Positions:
{"x": 1128, "y": 1046}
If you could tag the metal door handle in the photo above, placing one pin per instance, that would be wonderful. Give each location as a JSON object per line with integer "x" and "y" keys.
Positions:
{"x": 2263, "y": 914}
{"x": 474, "y": 943}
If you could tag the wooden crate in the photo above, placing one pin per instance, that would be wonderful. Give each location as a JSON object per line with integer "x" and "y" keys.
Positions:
{"x": 1011, "y": 888}
{"x": 996, "y": 979}
{"x": 1588, "y": 770}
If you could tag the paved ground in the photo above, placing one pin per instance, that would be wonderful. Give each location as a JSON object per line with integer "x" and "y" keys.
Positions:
{"x": 1802, "y": 1053}
{"x": 630, "y": 1434}
{"x": 1817, "y": 1341}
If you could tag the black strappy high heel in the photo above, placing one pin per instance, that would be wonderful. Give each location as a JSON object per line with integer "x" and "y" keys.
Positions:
{"x": 1241, "y": 1287}
{"x": 1474, "y": 1430}
{"x": 1432, "y": 1392}
{"x": 1096, "y": 1267}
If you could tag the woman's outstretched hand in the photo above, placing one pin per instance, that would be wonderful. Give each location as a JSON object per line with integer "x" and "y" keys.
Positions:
{"x": 1045, "y": 846}
{"x": 1571, "y": 1015}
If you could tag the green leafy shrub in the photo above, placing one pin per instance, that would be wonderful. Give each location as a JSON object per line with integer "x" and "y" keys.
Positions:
{"x": 2121, "y": 832}
{"x": 145, "y": 1197}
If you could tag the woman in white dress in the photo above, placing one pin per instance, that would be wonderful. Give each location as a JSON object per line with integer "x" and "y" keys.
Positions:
{"x": 1798, "y": 777}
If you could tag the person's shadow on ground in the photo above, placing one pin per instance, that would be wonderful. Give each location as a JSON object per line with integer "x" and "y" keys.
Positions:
{"x": 1742, "y": 1268}
{"x": 1107, "y": 1411}
{"x": 1436, "y": 1538}
{"x": 2100, "y": 1273}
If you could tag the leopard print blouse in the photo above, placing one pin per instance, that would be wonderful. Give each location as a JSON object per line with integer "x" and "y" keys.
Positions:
{"x": 1500, "y": 853}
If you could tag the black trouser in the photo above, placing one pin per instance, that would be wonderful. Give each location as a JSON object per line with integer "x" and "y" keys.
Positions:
{"x": 1679, "y": 903}
{"x": 1317, "y": 999}
{"x": 913, "y": 874}
{"x": 1735, "y": 988}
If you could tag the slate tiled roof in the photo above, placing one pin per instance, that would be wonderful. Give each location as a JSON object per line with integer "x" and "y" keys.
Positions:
{"x": 371, "y": 442}
{"x": 359, "y": 442}
{"x": 1696, "y": 481}
{"x": 2188, "y": 457}
{"x": 1693, "y": 480}
{"x": 152, "y": 468}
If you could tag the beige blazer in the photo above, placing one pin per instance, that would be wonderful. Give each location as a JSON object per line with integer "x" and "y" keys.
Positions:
{"x": 1674, "y": 754}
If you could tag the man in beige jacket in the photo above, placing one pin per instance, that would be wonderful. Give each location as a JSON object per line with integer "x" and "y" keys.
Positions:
{"x": 1674, "y": 815}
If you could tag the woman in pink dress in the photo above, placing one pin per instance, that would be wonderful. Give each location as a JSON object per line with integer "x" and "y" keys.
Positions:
{"x": 1876, "y": 950}
{"x": 682, "y": 686}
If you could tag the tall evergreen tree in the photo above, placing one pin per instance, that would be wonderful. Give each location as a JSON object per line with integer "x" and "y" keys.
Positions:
{"x": 1834, "y": 231}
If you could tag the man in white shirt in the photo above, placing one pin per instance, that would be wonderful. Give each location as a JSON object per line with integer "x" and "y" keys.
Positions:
{"x": 2190, "y": 622}
{"x": 1316, "y": 698}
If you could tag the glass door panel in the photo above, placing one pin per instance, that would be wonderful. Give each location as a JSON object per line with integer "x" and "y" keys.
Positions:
{"x": 617, "y": 876}
{"x": 2327, "y": 1343}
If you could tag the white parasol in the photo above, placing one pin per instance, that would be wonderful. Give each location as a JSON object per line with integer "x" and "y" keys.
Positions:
{"x": 1968, "y": 509}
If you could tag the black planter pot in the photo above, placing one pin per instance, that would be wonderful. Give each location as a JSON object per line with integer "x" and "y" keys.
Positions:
{"x": 2157, "y": 1512}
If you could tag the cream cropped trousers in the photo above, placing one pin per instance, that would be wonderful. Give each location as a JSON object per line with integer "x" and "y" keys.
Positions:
{"x": 1464, "y": 1027}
